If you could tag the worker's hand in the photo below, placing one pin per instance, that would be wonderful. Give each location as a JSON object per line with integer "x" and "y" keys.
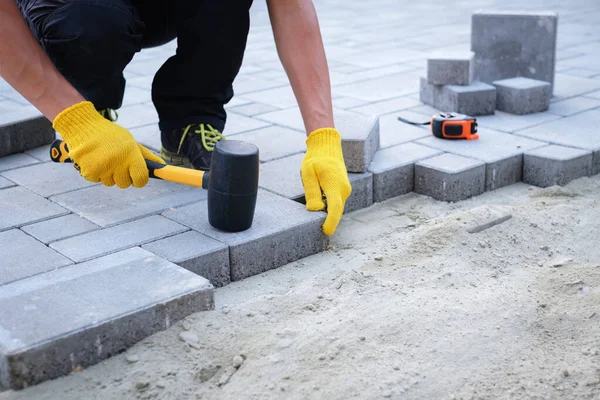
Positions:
{"x": 102, "y": 150}
{"x": 324, "y": 171}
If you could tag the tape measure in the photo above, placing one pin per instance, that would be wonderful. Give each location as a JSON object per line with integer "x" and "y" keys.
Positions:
{"x": 450, "y": 126}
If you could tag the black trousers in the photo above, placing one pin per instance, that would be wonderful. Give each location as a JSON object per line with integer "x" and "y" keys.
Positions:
{"x": 92, "y": 41}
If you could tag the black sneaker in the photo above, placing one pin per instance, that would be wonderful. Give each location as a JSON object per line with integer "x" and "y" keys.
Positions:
{"x": 109, "y": 114}
{"x": 191, "y": 146}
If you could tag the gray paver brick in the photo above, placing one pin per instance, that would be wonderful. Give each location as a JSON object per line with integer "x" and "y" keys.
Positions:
{"x": 41, "y": 153}
{"x": 393, "y": 132}
{"x": 137, "y": 115}
{"x": 450, "y": 68}
{"x": 360, "y": 140}
{"x": 23, "y": 256}
{"x": 428, "y": 92}
{"x": 566, "y": 86}
{"x": 362, "y": 192}
{"x": 148, "y": 135}
{"x": 387, "y": 106}
{"x": 475, "y": 99}
{"x": 449, "y": 177}
{"x": 382, "y": 88}
{"x": 98, "y": 243}
{"x": 59, "y": 228}
{"x": 393, "y": 169}
{"x": 502, "y": 153}
{"x": 282, "y": 232}
{"x": 106, "y": 206}
{"x": 252, "y": 109}
{"x": 556, "y": 165}
{"x": 505, "y": 122}
{"x": 48, "y": 179}
{"x": 522, "y": 95}
{"x": 16, "y": 161}
{"x": 509, "y": 44}
{"x": 237, "y": 123}
{"x": 5, "y": 183}
{"x": 83, "y": 314}
{"x": 21, "y": 207}
{"x": 274, "y": 142}
{"x": 197, "y": 253}
{"x": 573, "y": 105}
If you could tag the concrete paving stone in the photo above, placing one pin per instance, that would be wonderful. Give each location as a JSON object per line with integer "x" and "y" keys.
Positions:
{"x": 346, "y": 103}
{"x": 107, "y": 206}
{"x": 475, "y": 99}
{"x": 82, "y": 314}
{"x": 252, "y": 109}
{"x": 134, "y": 95}
{"x": 41, "y": 153}
{"x": 22, "y": 256}
{"x": 505, "y": 122}
{"x": 393, "y": 132}
{"x": 7, "y": 106}
{"x": 573, "y": 105}
{"x": 360, "y": 139}
{"x": 501, "y": 152}
{"x": 136, "y": 115}
{"x": 101, "y": 242}
{"x": 382, "y": 88}
{"x": 380, "y": 72}
{"x": 16, "y": 161}
{"x": 387, "y": 106}
{"x": 578, "y": 131}
{"x": 48, "y": 179}
{"x": 274, "y": 142}
{"x": 24, "y": 130}
{"x": 450, "y": 68}
{"x": 237, "y": 123}
{"x": 282, "y": 232}
{"x": 22, "y": 207}
{"x": 197, "y": 253}
{"x": 428, "y": 92}
{"x": 581, "y": 72}
{"x": 149, "y": 136}
{"x": 449, "y": 177}
{"x": 593, "y": 95}
{"x": 393, "y": 169}
{"x": 379, "y": 58}
{"x": 509, "y": 44}
{"x": 567, "y": 86}
{"x": 248, "y": 84}
{"x": 236, "y": 101}
{"x": 5, "y": 183}
{"x": 556, "y": 165}
{"x": 59, "y": 228}
{"x": 522, "y": 96}
{"x": 280, "y": 97}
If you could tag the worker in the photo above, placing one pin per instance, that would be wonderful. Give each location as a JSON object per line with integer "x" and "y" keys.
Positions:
{"x": 67, "y": 58}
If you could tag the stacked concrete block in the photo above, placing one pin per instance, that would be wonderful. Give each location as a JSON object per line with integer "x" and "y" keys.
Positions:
{"x": 556, "y": 165}
{"x": 79, "y": 315}
{"x": 24, "y": 130}
{"x": 360, "y": 140}
{"x": 522, "y": 95}
{"x": 449, "y": 177}
{"x": 514, "y": 44}
{"x": 393, "y": 169}
{"x": 450, "y": 69}
{"x": 282, "y": 232}
{"x": 475, "y": 99}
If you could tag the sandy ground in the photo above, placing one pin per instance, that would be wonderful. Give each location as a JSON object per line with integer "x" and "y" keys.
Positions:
{"x": 406, "y": 305}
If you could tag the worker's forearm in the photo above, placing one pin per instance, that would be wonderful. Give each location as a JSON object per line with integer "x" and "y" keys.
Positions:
{"x": 25, "y": 66}
{"x": 300, "y": 47}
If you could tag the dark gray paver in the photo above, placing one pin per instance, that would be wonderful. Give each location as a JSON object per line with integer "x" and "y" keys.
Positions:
{"x": 579, "y": 131}
{"x": 48, "y": 179}
{"x": 274, "y": 142}
{"x": 82, "y": 314}
{"x": 98, "y": 243}
{"x": 510, "y": 44}
{"x": 522, "y": 95}
{"x": 450, "y": 68}
{"x": 360, "y": 140}
{"x": 197, "y": 253}
{"x": 502, "y": 153}
{"x": 475, "y": 99}
{"x": 393, "y": 169}
{"x": 106, "y": 206}
{"x": 20, "y": 206}
{"x": 449, "y": 177}
{"x": 5, "y": 183}
{"x": 16, "y": 161}
{"x": 23, "y": 130}
{"x": 362, "y": 192}
{"x": 282, "y": 232}
{"x": 22, "y": 256}
{"x": 59, "y": 228}
{"x": 556, "y": 165}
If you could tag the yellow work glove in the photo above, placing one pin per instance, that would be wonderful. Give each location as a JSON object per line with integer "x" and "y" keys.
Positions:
{"x": 103, "y": 151}
{"x": 324, "y": 171}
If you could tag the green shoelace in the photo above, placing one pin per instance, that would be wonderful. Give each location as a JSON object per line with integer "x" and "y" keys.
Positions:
{"x": 108, "y": 114}
{"x": 210, "y": 136}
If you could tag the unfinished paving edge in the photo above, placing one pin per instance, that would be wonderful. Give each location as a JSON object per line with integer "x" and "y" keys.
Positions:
{"x": 556, "y": 165}
{"x": 27, "y": 133}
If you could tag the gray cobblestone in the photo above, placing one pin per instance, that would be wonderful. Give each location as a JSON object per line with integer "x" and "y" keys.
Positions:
{"x": 5, "y": 183}
{"x": 274, "y": 142}
{"x": 450, "y": 68}
{"x": 59, "y": 228}
{"x": 556, "y": 165}
{"x": 522, "y": 95}
{"x": 21, "y": 207}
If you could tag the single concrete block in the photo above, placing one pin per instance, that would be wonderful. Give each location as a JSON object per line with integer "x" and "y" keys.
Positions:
{"x": 360, "y": 140}
{"x": 475, "y": 99}
{"x": 274, "y": 142}
{"x": 428, "y": 92}
{"x": 59, "y": 228}
{"x": 283, "y": 178}
{"x": 108, "y": 206}
{"x": 83, "y": 314}
{"x": 450, "y": 68}
{"x": 393, "y": 169}
{"x": 513, "y": 44}
{"x": 197, "y": 253}
{"x": 282, "y": 232}
{"x": 449, "y": 177}
{"x": 24, "y": 130}
{"x": 501, "y": 152}
{"x": 522, "y": 96}
{"x": 21, "y": 207}
{"x": 22, "y": 256}
{"x": 110, "y": 240}
{"x": 5, "y": 183}
{"x": 556, "y": 165}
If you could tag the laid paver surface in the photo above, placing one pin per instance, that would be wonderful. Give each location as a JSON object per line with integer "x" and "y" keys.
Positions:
{"x": 51, "y": 220}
